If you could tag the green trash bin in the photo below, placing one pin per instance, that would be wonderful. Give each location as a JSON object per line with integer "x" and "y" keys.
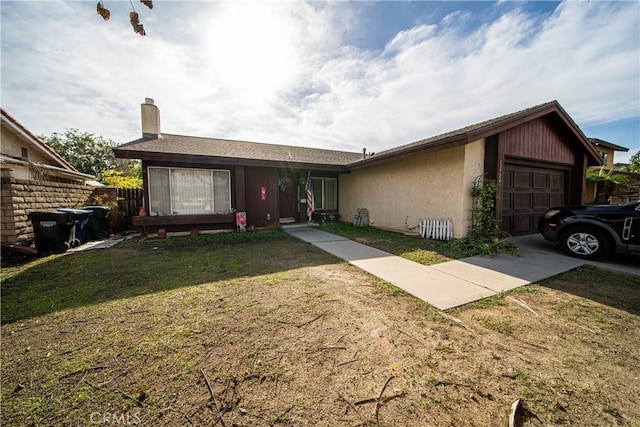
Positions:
{"x": 99, "y": 224}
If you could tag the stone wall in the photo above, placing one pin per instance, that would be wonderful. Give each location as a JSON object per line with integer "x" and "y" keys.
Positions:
{"x": 627, "y": 194}
{"x": 21, "y": 197}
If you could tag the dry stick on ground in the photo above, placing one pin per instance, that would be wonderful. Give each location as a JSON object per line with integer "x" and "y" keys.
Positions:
{"x": 213, "y": 396}
{"x": 456, "y": 320}
{"x": 380, "y": 397}
{"x": 351, "y": 360}
{"x": 351, "y": 406}
{"x": 82, "y": 371}
{"x": 523, "y": 304}
{"x": 277, "y": 420}
{"x": 400, "y": 331}
{"x": 299, "y": 325}
{"x": 138, "y": 401}
{"x": 364, "y": 401}
{"x": 375, "y": 399}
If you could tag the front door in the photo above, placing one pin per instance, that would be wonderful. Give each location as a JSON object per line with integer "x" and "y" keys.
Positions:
{"x": 287, "y": 197}
{"x": 261, "y": 189}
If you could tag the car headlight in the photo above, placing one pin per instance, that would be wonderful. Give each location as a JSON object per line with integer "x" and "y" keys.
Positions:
{"x": 550, "y": 213}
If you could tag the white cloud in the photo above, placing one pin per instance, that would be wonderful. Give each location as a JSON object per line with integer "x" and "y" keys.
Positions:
{"x": 280, "y": 72}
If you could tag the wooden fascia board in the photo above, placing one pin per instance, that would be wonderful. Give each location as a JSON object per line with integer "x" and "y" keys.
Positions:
{"x": 224, "y": 161}
{"x": 443, "y": 144}
{"x": 589, "y": 148}
{"x": 532, "y": 115}
{"x": 509, "y": 123}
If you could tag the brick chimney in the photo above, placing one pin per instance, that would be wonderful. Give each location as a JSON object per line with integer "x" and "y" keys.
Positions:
{"x": 150, "y": 119}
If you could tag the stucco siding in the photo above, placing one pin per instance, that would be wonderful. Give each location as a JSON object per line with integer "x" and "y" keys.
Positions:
{"x": 473, "y": 167}
{"x": 12, "y": 146}
{"x": 398, "y": 194}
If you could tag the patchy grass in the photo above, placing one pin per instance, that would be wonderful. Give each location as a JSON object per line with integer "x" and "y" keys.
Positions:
{"x": 285, "y": 334}
{"x": 137, "y": 267}
{"x": 414, "y": 248}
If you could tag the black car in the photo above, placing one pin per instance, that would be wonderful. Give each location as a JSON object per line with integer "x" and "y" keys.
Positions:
{"x": 590, "y": 232}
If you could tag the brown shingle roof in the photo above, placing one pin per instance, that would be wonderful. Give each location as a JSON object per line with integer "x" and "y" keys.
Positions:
{"x": 481, "y": 130}
{"x": 224, "y": 148}
{"x": 253, "y": 151}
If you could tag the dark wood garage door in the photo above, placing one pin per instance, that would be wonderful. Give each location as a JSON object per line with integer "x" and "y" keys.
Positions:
{"x": 527, "y": 193}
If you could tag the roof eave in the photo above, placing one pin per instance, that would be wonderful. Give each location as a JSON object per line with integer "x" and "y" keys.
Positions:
{"x": 23, "y": 133}
{"x": 225, "y": 161}
{"x": 377, "y": 159}
{"x": 607, "y": 144}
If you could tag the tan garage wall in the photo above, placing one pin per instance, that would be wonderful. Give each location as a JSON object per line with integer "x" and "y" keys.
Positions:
{"x": 398, "y": 194}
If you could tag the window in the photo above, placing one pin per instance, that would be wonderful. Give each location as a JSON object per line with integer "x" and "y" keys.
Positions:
{"x": 605, "y": 157}
{"x": 325, "y": 193}
{"x": 174, "y": 191}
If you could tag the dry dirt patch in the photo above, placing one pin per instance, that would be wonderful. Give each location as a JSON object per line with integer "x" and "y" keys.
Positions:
{"x": 325, "y": 345}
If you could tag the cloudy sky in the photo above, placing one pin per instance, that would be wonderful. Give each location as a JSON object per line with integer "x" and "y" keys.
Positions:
{"x": 337, "y": 75}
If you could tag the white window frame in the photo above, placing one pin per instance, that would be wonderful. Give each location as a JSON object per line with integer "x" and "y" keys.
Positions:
{"x": 323, "y": 194}
{"x": 171, "y": 169}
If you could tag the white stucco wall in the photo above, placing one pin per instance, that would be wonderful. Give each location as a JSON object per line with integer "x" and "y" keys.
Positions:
{"x": 399, "y": 193}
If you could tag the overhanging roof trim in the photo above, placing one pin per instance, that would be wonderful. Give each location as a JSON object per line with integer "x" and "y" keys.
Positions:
{"x": 168, "y": 145}
{"x": 611, "y": 145}
{"x": 24, "y": 134}
{"x": 484, "y": 129}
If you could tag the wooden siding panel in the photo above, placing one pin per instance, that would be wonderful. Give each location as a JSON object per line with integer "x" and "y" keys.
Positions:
{"x": 538, "y": 140}
{"x": 528, "y": 192}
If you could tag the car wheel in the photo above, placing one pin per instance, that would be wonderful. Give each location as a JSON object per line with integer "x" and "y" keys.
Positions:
{"x": 585, "y": 243}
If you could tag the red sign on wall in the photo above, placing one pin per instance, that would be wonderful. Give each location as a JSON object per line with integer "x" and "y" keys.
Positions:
{"x": 241, "y": 219}
{"x": 263, "y": 193}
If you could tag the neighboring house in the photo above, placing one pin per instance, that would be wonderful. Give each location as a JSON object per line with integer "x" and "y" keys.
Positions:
{"x": 538, "y": 157}
{"x": 606, "y": 151}
{"x": 34, "y": 178}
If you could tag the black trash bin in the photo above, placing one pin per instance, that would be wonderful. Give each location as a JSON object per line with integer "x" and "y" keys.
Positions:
{"x": 52, "y": 231}
{"x": 99, "y": 222}
{"x": 82, "y": 217}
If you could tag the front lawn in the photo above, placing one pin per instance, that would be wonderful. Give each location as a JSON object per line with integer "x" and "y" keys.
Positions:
{"x": 264, "y": 330}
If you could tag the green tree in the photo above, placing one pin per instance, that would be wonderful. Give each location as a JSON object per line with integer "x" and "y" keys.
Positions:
{"x": 607, "y": 182}
{"x": 90, "y": 154}
{"x": 114, "y": 178}
{"x": 634, "y": 163}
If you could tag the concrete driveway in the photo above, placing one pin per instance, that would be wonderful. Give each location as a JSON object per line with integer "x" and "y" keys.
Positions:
{"x": 455, "y": 283}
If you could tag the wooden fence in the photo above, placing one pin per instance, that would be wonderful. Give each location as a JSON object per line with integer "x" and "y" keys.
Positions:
{"x": 129, "y": 203}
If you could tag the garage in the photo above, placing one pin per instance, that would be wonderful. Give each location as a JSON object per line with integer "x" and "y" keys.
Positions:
{"x": 528, "y": 191}
{"x": 539, "y": 160}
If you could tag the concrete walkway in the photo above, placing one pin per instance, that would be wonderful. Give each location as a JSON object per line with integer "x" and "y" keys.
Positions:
{"x": 454, "y": 283}
{"x": 99, "y": 244}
